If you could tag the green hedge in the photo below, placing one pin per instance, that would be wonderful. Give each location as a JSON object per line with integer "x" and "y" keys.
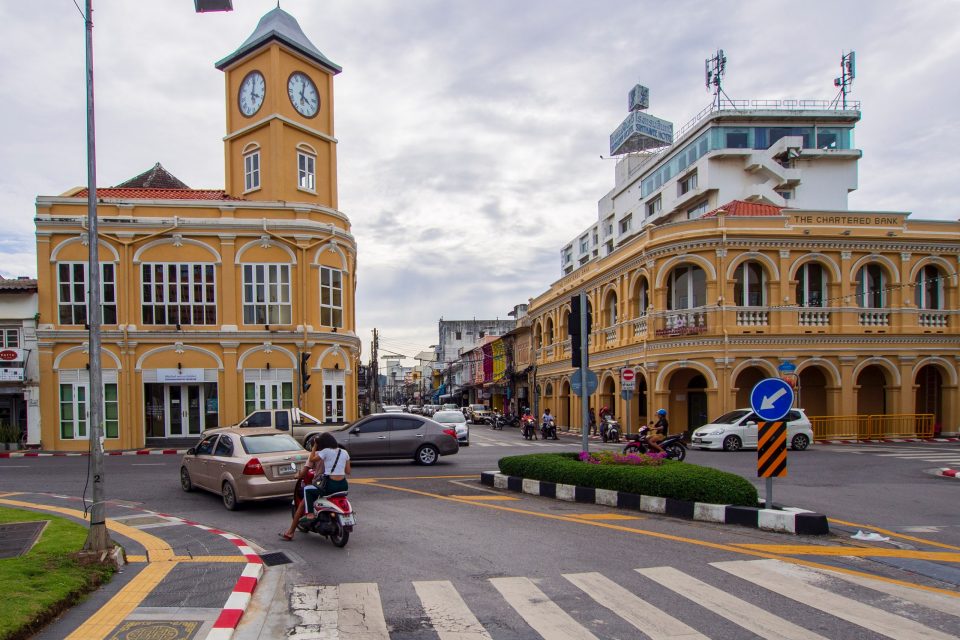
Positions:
{"x": 672, "y": 479}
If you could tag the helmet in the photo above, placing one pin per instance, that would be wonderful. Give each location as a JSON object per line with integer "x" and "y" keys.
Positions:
{"x": 661, "y": 412}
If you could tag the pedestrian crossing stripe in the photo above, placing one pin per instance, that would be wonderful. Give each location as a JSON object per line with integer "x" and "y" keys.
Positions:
{"x": 353, "y": 611}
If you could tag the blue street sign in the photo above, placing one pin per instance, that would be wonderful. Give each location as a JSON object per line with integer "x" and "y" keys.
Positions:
{"x": 771, "y": 398}
{"x": 576, "y": 384}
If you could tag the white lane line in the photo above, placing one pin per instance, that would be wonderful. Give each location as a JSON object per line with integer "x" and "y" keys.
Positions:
{"x": 737, "y": 611}
{"x": 541, "y": 613}
{"x": 936, "y": 601}
{"x": 641, "y": 614}
{"x": 360, "y": 616}
{"x": 449, "y": 614}
{"x": 872, "y": 618}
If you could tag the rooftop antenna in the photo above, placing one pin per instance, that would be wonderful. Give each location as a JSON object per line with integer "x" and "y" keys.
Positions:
{"x": 848, "y": 71}
{"x": 715, "y": 68}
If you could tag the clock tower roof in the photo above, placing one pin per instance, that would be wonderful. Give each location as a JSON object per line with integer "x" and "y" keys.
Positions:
{"x": 279, "y": 25}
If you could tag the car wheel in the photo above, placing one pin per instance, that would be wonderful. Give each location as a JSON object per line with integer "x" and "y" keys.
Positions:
{"x": 185, "y": 483}
{"x": 229, "y": 497}
{"x": 427, "y": 455}
{"x": 732, "y": 443}
{"x": 800, "y": 442}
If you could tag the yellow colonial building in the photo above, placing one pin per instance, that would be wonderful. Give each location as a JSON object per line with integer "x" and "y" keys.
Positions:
{"x": 215, "y": 302}
{"x": 729, "y": 255}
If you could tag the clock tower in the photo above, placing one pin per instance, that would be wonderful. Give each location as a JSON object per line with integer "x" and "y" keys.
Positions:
{"x": 280, "y": 143}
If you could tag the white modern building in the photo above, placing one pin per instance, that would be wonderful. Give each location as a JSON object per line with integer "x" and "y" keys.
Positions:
{"x": 19, "y": 361}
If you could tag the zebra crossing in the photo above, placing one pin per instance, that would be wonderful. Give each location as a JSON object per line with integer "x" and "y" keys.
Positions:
{"x": 661, "y": 603}
{"x": 940, "y": 455}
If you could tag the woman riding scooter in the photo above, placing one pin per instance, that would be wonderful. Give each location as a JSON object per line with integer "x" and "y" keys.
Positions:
{"x": 329, "y": 461}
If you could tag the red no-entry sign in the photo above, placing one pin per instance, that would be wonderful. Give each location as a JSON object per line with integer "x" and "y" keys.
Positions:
{"x": 628, "y": 379}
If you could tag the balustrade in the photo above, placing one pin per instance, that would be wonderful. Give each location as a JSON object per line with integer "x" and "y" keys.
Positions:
{"x": 682, "y": 323}
{"x": 752, "y": 317}
{"x": 933, "y": 319}
{"x": 875, "y": 318}
{"x": 640, "y": 326}
{"x": 813, "y": 318}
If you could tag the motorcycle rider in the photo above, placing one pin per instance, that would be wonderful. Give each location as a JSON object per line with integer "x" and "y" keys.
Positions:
{"x": 330, "y": 462}
{"x": 548, "y": 424}
{"x": 658, "y": 431}
{"x": 662, "y": 425}
{"x": 525, "y": 419}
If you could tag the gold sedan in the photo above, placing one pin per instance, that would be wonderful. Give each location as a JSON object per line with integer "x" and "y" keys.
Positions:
{"x": 243, "y": 465}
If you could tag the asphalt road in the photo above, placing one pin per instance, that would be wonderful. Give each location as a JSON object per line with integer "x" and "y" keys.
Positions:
{"x": 521, "y": 563}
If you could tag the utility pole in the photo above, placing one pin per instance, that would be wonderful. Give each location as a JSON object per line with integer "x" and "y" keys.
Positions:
{"x": 98, "y": 538}
{"x": 375, "y": 366}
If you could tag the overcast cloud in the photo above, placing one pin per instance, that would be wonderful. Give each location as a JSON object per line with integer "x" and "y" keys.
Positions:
{"x": 471, "y": 133}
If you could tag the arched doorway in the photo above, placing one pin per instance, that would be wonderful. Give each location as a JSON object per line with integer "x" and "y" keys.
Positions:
{"x": 563, "y": 412}
{"x": 929, "y": 395}
{"x": 607, "y": 397}
{"x": 636, "y": 408}
{"x": 745, "y": 382}
{"x": 687, "y": 403}
{"x": 872, "y": 392}
{"x": 812, "y": 392}
{"x": 696, "y": 402}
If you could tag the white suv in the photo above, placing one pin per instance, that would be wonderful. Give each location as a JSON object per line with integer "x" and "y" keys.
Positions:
{"x": 737, "y": 430}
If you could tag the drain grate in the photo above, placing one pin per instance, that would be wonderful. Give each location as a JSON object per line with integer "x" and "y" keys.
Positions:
{"x": 275, "y": 558}
{"x": 18, "y": 538}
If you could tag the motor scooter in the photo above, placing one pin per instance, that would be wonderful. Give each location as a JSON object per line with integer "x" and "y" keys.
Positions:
{"x": 549, "y": 430}
{"x": 673, "y": 445}
{"x": 528, "y": 427}
{"x": 331, "y": 516}
{"x": 610, "y": 430}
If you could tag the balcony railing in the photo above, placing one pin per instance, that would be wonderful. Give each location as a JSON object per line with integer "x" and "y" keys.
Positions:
{"x": 752, "y": 317}
{"x": 813, "y": 318}
{"x": 933, "y": 319}
{"x": 640, "y": 326}
{"x": 875, "y": 318}
{"x": 682, "y": 323}
{"x": 610, "y": 334}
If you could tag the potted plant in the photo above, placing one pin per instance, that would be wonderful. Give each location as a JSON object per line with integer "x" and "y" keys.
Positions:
{"x": 10, "y": 437}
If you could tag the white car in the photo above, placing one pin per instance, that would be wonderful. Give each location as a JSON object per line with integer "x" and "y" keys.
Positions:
{"x": 392, "y": 408}
{"x": 458, "y": 421}
{"x": 737, "y": 430}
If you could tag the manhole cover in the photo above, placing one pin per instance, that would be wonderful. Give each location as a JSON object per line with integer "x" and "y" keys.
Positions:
{"x": 19, "y": 537}
{"x": 156, "y": 630}
{"x": 273, "y": 559}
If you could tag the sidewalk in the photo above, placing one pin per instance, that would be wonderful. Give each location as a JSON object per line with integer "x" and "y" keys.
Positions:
{"x": 184, "y": 580}
{"x": 61, "y": 454}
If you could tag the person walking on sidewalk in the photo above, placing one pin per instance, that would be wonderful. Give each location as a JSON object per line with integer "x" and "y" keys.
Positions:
{"x": 592, "y": 429}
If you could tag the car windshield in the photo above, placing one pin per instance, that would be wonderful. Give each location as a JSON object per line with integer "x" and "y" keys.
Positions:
{"x": 269, "y": 443}
{"x": 731, "y": 417}
{"x": 477, "y": 407}
{"x": 448, "y": 417}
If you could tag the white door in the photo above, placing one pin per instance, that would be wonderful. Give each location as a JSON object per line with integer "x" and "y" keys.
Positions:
{"x": 74, "y": 411}
{"x": 262, "y": 395}
{"x": 184, "y": 409}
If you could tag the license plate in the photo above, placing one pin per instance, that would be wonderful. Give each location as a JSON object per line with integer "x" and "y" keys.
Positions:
{"x": 697, "y": 440}
{"x": 347, "y": 520}
{"x": 287, "y": 469}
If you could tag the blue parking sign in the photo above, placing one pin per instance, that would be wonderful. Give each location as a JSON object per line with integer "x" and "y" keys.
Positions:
{"x": 771, "y": 399}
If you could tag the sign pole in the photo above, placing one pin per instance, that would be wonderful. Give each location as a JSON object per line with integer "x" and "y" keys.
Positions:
{"x": 769, "y": 503}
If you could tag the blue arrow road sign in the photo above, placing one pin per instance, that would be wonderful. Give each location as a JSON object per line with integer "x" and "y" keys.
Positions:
{"x": 771, "y": 398}
{"x": 592, "y": 382}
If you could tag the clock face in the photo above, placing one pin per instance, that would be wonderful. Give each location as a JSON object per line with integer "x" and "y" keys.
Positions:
{"x": 252, "y": 90}
{"x": 303, "y": 94}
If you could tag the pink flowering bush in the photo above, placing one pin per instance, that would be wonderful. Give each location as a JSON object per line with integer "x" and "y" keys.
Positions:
{"x": 611, "y": 457}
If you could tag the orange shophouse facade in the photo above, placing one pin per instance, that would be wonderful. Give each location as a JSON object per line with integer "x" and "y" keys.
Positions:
{"x": 215, "y": 302}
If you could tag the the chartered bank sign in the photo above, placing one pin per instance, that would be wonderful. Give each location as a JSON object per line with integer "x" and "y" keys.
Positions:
{"x": 847, "y": 219}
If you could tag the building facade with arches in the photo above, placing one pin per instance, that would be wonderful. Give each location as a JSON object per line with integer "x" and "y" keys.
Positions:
{"x": 730, "y": 256}
{"x": 215, "y": 303}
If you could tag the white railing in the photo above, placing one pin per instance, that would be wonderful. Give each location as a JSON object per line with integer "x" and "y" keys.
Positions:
{"x": 811, "y": 318}
{"x": 640, "y": 326}
{"x": 933, "y": 319}
{"x": 549, "y": 351}
{"x": 610, "y": 334}
{"x": 682, "y": 323}
{"x": 752, "y": 317}
{"x": 874, "y": 318}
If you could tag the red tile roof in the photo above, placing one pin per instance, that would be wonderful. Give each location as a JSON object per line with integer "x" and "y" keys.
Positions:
{"x": 137, "y": 193}
{"x": 156, "y": 177}
{"x": 15, "y": 285}
{"x": 742, "y": 208}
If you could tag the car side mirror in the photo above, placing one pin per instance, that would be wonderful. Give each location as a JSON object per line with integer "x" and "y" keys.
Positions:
{"x": 751, "y": 423}
{"x": 192, "y": 451}
{"x": 354, "y": 431}
{"x": 245, "y": 423}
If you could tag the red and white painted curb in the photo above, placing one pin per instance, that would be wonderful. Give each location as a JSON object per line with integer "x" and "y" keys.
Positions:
{"x": 949, "y": 473}
{"x": 871, "y": 441}
{"x": 64, "y": 454}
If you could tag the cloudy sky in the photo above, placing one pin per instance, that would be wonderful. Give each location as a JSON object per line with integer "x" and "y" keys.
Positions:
{"x": 471, "y": 133}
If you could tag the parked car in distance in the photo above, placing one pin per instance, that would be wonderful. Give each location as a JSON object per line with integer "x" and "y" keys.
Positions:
{"x": 392, "y": 408}
{"x": 737, "y": 430}
{"x": 458, "y": 421}
{"x": 243, "y": 464}
{"x": 448, "y": 407}
{"x": 398, "y": 435}
{"x": 478, "y": 412}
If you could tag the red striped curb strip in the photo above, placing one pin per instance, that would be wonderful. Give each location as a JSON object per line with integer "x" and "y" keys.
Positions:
{"x": 949, "y": 473}
{"x": 63, "y": 454}
{"x": 888, "y": 440}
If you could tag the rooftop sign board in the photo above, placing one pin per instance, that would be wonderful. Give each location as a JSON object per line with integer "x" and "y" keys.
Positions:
{"x": 639, "y": 132}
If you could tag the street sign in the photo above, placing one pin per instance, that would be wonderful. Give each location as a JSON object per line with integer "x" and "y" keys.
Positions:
{"x": 576, "y": 384}
{"x": 771, "y": 398}
{"x": 626, "y": 394}
{"x": 772, "y": 450}
{"x": 628, "y": 379}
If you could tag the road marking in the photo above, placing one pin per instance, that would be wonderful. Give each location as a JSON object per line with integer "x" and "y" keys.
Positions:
{"x": 493, "y": 498}
{"x": 605, "y": 516}
{"x": 360, "y": 615}
{"x": 100, "y": 624}
{"x": 649, "y": 619}
{"x": 227, "y": 559}
{"x": 859, "y": 552}
{"x": 738, "y": 611}
{"x": 540, "y": 612}
{"x": 887, "y": 532}
{"x": 923, "y": 598}
{"x": 872, "y": 618}
{"x": 674, "y": 538}
{"x": 449, "y": 614}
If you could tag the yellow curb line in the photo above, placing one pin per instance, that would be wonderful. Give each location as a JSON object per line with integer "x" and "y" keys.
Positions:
{"x": 228, "y": 559}
{"x": 605, "y": 516}
{"x": 493, "y": 498}
{"x": 674, "y": 538}
{"x": 860, "y": 552}
{"x": 896, "y": 535}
